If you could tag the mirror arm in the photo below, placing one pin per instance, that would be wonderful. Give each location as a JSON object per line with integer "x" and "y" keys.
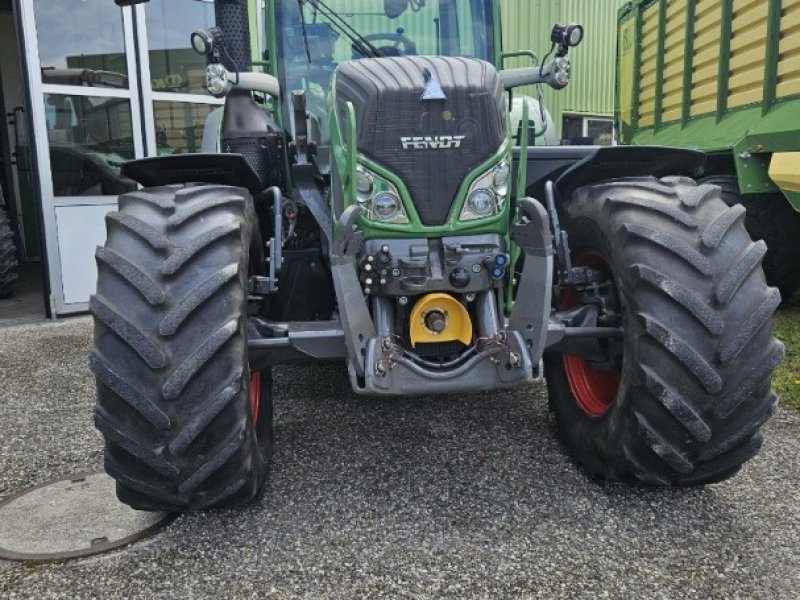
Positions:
{"x": 555, "y": 74}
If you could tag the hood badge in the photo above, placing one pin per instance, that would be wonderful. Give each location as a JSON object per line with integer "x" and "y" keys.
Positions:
{"x": 432, "y": 142}
{"x": 433, "y": 90}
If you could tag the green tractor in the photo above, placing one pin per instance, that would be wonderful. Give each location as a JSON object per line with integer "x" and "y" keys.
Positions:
{"x": 363, "y": 202}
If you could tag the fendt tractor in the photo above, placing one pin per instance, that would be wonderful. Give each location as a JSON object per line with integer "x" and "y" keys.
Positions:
{"x": 360, "y": 200}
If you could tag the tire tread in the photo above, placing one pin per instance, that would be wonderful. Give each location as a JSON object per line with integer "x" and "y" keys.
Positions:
{"x": 171, "y": 369}
{"x": 695, "y": 388}
{"x": 769, "y": 217}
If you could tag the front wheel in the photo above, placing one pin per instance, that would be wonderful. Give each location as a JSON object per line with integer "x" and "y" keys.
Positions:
{"x": 187, "y": 426}
{"x": 681, "y": 398}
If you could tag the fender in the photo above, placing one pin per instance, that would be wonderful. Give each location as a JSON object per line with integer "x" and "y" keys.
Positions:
{"x": 614, "y": 162}
{"x": 224, "y": 169}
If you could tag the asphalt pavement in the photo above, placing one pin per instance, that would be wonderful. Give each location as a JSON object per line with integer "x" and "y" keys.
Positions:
{"x": 457, "y": 497}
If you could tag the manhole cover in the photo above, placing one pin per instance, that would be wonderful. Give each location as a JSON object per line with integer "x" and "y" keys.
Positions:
{"x": 72, "y": 517}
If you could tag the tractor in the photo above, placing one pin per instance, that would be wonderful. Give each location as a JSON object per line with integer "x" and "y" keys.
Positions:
{"x": 360, "y": 200}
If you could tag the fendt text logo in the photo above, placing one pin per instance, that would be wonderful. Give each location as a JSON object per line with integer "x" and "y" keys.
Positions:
{"x": 435, "y": 142}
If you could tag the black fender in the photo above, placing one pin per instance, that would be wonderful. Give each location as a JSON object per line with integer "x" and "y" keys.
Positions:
{"x": 614, "y": 162}
{"x": 223, "y": 169}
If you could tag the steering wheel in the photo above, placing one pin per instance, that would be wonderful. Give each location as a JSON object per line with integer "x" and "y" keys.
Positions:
{"x": 399, "y": 44}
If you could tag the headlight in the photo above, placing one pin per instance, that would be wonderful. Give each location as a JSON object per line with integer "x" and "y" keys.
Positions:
{"x": 481, "y": 203}
{"x": 566, "y": 36}
{"x": 386, "y": 207}
{"x": 217, "y": 80}
{"x": 379, "y": 198}
{"x": 207, "y": 41}
{"x": 501, "y": 174}
{"x": 574, "y": 35}
{"x": 487, "y": 195}
{"x": 365, "y": 182}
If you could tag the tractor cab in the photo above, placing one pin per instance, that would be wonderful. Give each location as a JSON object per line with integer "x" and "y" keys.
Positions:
{"x": 314, "y": 38}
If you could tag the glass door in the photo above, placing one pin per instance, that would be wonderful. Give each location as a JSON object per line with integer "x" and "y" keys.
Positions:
{"x": 86, "y": 122}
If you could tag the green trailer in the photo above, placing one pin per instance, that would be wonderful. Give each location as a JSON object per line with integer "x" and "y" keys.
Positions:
{"x": 724, "y": 77}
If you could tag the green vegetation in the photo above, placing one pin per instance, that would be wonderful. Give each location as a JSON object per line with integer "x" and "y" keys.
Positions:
{"x": 786, "y": 379}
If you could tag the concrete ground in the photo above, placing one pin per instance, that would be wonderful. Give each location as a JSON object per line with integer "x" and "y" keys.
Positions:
{"x": 457, "y": 497}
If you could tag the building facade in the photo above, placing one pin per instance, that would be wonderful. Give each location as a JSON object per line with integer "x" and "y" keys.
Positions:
{"x": 87, "y": 85}
{"x": 585, "y": 108}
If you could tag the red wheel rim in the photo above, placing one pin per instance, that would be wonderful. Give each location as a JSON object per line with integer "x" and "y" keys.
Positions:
{"x": 594, "y": 391}
{"x": 255, "y": 395}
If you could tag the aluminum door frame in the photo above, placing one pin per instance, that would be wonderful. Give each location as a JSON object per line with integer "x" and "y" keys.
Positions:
{"x": 40, "y": 145}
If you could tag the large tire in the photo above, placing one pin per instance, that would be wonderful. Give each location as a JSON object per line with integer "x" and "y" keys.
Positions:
{"x": 170, "y": 351}
{"x": 693, "y": 389}
{"x": 8, "y": 255}
{"x": 771, "y": 218}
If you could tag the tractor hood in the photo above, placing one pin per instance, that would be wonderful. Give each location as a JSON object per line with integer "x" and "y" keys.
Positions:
{"x": 429, "y": 120}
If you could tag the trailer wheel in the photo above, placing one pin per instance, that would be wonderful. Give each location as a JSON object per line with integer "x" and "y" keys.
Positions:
{"x": 771, "y": 218}
{"x": 8, "y": 255}
{"x": 684, "y": 404}
{"x": 187, "y": 426}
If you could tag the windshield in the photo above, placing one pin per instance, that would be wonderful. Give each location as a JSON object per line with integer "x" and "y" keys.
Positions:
{"x": 316, "y": 35}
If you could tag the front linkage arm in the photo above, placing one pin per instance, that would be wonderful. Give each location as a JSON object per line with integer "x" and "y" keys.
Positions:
{"x": 531, "y": 313}
{"x": 353, "y": 311}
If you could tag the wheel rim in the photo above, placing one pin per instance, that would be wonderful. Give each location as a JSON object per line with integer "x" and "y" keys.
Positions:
{"x": 255, "y": 395}
{"x": 594, "y": 391}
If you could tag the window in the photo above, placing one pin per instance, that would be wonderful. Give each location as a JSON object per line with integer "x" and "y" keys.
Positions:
{"x": 175, "y": 87}
{"x": 89, "y": 137}
{"x": 174, "y": 65}
{"x": 590, "y": 130}
{"x": 87, "y": 92}
{"x": 314, "y": 40}
{"x": 179, "y": 126}
{"x": 75, "y": 55}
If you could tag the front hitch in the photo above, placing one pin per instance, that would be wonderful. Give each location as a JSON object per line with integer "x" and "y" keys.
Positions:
{"x": 353, "y": 311}
{"x": 531, "y": 313}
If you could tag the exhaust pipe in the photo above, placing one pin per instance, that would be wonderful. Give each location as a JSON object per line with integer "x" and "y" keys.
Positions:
{"x": 232, "y": 17}
{"x": 246, "y": 129}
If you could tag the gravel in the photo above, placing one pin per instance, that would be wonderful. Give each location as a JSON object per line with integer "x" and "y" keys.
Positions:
{"x": 467, "y": 496}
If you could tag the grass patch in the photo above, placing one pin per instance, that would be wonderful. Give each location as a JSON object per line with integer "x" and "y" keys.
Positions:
{"x": 786, "y": 379}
